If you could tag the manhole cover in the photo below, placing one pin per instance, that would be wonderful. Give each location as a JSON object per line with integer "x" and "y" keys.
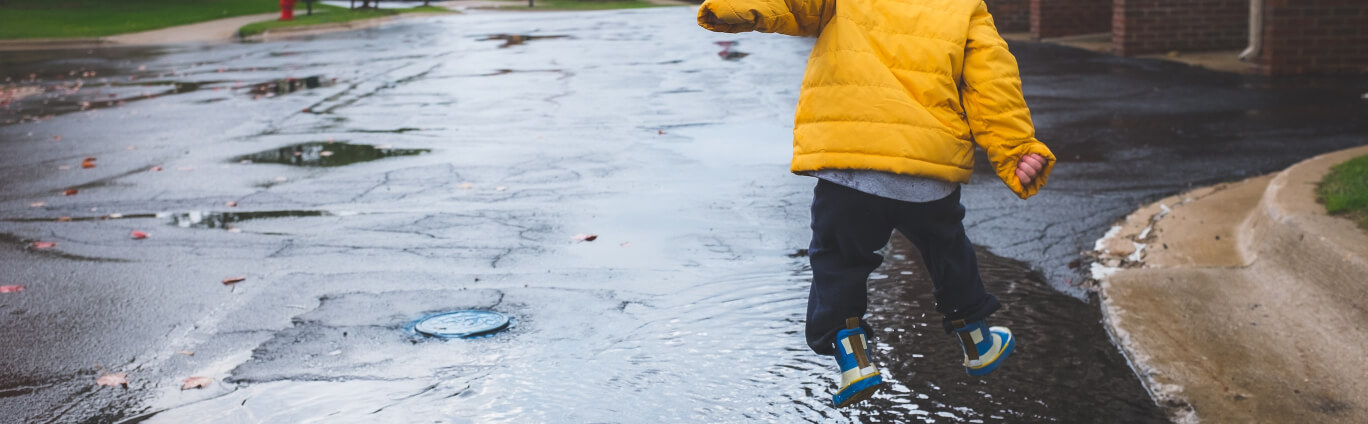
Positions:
{"x": 462, "y": 324}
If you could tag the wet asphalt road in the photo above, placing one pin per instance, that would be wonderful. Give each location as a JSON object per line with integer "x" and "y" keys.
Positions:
{"x": 461, "y": 165}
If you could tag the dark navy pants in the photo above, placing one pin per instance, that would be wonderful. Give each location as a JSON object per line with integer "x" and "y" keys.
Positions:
{"x": 849, "y": 226}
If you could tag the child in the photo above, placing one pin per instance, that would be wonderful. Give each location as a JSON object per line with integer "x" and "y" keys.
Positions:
{"x": 896, "y": 95}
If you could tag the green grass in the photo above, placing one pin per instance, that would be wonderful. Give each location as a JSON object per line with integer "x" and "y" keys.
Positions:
{"x": 577, "y": 5}
{"x": 95, "y": 18}
{"x": 1345, "y": 190}
{"x": 324, "y": 14}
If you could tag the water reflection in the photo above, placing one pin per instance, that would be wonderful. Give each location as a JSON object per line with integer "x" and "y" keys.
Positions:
{"x": 326, "y": 154}
{"x": 223, "y": 220}
{"x": 728, "y": 349}
{"x": 1065, "y": 368}
{"x": 288, "y": 85}
{"x": 519, "y": 39}
{"x": 727, "y": 53}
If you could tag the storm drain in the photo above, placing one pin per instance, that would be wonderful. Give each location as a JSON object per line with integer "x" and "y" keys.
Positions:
{"x": 462, "y": 324}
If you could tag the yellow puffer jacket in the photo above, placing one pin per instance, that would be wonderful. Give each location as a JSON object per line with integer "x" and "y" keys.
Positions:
{"x": 902, "y": 86}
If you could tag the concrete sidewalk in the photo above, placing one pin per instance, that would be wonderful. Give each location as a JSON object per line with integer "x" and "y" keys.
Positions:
{"x": 204, "y": 32}
{"x": 1244, "y": 302}
{"x": 210, "y": 31}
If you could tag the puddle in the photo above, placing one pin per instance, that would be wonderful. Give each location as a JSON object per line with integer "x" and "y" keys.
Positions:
{"x": 34, "y": 100}
{"x": 327, "y": 154}
{"x": 82, "y": 218}
{"x": 727, "y": 53}
{"x": 575, "y": 346}
{"x": 192, "y": 219}
{"x": 1065, "y": 369}
{"x": 37, "y": 100}
{"x": 519, "y": 39}
{"x": 498, "y": 72}
{"x": 223, "y": 220}
{"x": 288, "y": 85}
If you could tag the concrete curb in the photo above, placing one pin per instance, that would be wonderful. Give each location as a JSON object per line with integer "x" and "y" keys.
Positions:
{"x": 1332, "y": 251}
{"x": 1243, "y": 302}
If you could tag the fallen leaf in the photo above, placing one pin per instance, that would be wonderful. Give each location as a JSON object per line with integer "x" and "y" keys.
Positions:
{"x": 70, "y": 192}
{"x": 87, "y": 164}
{"x": 44, "y": 244}
{"x": 56, "y": 138}
{"x": 11, "y": 289}
{"x": 156, "y": 169}
{"x": 64, "y": 219}
{"x": 585, "y": 237}
{"x": 233, "y": 280}
{"x": 88, "y": 159}
{"x": 37, "y": 204}
{"x": 138, "y": 235}
{"x": 196, "y": 383}
{"x": 187, "y": 352}
{"x": 116, "y": 379}
{"x": 660, "y": 132}
{"x": 230, "y": 204}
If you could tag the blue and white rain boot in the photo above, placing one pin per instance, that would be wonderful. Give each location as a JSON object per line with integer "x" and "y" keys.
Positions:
{"x": 860, "y": 379}
{"x": 984, "y": 347}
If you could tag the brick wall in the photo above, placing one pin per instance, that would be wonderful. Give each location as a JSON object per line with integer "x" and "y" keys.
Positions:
{"x": 1011, "y": 15}
{"x": 1315, "y": 37}
{"x": 1058, "y": 18}
{"x": 1157, "y": 26}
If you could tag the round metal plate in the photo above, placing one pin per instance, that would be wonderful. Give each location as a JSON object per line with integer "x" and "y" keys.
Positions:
{"x": 461, "y": 324}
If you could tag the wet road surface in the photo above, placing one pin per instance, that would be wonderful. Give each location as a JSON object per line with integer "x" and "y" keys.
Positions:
{"x": 362, "y": 180}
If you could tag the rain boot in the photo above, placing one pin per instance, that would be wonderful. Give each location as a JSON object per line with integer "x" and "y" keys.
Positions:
{"x": 984, "y": 347}
{"x": 860, "y": 379}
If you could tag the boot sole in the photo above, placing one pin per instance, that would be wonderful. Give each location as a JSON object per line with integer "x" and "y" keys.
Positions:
{"x": 862, "y": 389}
{"x": 1006, "y": 351}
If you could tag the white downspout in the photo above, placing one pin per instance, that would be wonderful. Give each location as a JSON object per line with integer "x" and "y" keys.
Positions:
{"x": 1256, "y": 8}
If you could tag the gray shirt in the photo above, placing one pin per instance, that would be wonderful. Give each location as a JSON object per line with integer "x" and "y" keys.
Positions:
{"x": 906, "y": 188}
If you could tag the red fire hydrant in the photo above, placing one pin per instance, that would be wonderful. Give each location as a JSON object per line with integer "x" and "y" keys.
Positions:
{"x": 287, "y": 10}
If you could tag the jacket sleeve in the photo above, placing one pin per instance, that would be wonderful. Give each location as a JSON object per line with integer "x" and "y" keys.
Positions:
{"x": 997, "y": 112}
{"x": 791, "y": 17}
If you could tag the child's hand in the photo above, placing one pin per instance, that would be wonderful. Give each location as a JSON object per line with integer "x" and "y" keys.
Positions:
{"x": 1029, "y": 167}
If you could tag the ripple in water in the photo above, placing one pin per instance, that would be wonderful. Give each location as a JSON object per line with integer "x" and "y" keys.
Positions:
{"x": 727, "y": 350}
